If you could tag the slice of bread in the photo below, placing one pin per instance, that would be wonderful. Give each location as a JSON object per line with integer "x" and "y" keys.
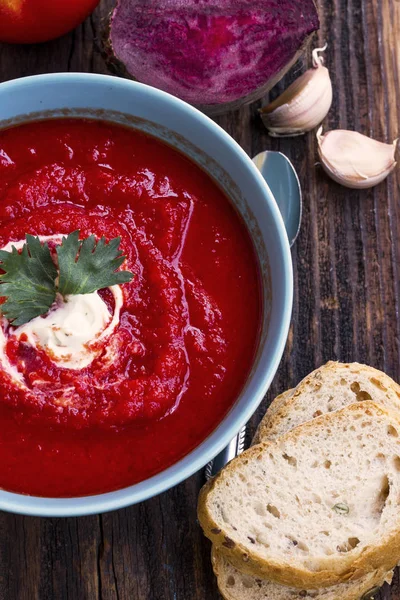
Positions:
{"x": 316, "y": 507}
{"x": 234, "y": 585}
{"x": 329, "y": 388}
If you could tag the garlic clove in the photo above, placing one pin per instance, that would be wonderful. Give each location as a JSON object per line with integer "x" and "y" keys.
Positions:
{"x": 303, "y": 105}
{"x": 355, "y": 160}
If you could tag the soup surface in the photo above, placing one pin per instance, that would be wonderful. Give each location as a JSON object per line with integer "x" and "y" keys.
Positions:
{"x": 111, "y": 387}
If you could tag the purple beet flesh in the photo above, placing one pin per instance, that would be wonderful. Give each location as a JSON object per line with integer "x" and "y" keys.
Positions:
{"x": 211, "y": 52}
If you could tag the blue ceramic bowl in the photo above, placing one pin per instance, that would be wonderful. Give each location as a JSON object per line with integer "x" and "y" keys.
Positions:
{"x": 170, "y": 119}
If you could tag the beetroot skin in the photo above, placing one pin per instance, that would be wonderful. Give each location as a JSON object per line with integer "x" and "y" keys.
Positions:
{"x": 219, "y": 53}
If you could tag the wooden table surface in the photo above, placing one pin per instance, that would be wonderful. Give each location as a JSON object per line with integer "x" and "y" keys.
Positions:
{"x": 346, "y": 307}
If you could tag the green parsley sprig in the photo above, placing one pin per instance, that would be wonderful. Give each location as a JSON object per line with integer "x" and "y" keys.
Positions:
{"x": 31, "y": 280}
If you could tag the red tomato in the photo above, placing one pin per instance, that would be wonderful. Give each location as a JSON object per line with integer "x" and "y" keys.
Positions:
{"x": 31, "y": 21}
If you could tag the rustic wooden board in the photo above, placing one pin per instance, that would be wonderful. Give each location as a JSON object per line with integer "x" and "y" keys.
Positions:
{"x": 346, "y": 307}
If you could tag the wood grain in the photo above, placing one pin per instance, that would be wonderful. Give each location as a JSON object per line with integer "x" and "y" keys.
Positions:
{"x": 346, "y": 307}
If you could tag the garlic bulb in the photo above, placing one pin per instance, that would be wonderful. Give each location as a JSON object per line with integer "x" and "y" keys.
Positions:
{"x": 305, "y": 103}
{"x": 355, "y": 160}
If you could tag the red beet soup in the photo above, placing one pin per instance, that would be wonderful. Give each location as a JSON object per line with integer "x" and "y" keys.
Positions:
{"x": 114, "y": 386}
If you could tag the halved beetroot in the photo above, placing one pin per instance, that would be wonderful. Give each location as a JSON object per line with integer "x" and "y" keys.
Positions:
{"x": 216, "y": 54}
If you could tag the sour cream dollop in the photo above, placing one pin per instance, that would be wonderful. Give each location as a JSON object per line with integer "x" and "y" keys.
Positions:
{"x": 69, "y": 330}
{"x": 70, "y": 333}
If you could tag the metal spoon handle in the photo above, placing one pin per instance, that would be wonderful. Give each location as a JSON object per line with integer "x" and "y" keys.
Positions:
{"x": 234, "y": 448}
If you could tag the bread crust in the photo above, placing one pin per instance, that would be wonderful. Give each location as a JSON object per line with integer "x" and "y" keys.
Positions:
{"x": 343, "y": 568}
{"x": 274, "y": 408}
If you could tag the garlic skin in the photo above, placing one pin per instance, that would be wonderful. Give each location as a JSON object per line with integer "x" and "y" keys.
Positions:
{"x": 355, "y": 160}
{"x": 305, "y": 103}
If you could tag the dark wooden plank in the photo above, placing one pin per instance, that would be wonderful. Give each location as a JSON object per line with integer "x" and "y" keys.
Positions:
{"x": 346, "y": 307}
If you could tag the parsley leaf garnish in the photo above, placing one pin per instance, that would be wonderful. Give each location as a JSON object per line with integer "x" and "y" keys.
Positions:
{"x": 86, "y": 266}
{"x": 28, "y": 281}
{"x": 31, "y": 280}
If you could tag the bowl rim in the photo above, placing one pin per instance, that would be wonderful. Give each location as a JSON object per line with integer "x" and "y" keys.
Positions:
{"x": 223, "y": 433}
